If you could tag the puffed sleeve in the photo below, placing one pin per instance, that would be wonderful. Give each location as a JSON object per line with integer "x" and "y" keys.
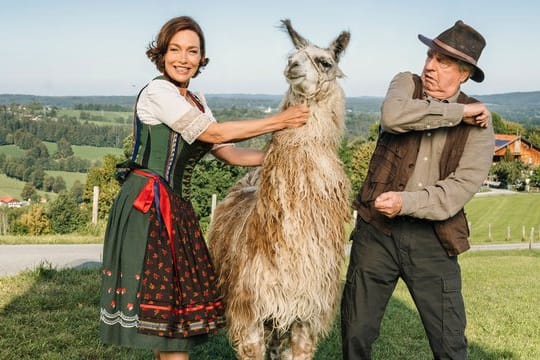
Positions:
{"x": 161, "y": 103}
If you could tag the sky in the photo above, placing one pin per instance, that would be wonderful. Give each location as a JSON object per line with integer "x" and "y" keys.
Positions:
{"x": 84, "y": 48}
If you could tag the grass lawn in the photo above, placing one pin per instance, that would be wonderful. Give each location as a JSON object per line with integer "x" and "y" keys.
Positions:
{"x": 91, "y": 153}
{"x": 68, "y": 176}
{"x": 52, "y": 239}
{"x": 49, "y": 314}
{"x": 14, "y": 187}
{"x": 517, "y": 212}
{"x": 105, "y": 117}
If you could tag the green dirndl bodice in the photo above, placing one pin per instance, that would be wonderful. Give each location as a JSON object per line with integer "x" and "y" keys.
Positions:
{"x": 158, "y": 284}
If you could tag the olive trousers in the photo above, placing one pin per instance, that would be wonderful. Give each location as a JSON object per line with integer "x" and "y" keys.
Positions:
{"x": 414, "y": 254}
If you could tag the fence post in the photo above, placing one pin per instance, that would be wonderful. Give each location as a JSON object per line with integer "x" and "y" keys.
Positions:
{"x": 508, "y": 233}
{"x": 95, "y": 205}
{"x": 213, "y": 207}
{"x": 523, "y": 237}
{"x": 531, "y": 238}
{"x": 489, "y": 232}
{"x": 3, "y": 222}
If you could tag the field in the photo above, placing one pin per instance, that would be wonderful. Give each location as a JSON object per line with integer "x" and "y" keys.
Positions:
{"x": 13, "y": 187}
{"x": 504, "y": 215}
{"x": 91, "y": 153}
{"x": 69, "y": 177}
{"x": 99, "y": 117}
{"x": 50, "y": 314}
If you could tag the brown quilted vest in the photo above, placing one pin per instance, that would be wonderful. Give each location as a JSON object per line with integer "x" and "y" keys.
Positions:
{"x": 392, "y": 165}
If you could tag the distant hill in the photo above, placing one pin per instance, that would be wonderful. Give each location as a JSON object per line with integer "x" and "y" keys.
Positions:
{"x": 67, "y": 101}
{"x": 521, "y": 107}
{"x": 365, "y": 103}
{"x": 514, "y": 98}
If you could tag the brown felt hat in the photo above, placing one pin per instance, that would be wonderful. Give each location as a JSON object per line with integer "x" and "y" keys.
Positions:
{"x": 461, "y": 42}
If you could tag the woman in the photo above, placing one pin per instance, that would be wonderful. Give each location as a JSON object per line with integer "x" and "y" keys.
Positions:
{"x": 158, "y": 289}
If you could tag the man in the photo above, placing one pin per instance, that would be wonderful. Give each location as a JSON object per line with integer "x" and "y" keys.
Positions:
{"x": 433, "y": 153}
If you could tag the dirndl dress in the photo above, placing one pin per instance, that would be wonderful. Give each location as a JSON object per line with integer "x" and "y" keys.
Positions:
{"x": 159, "y": 288}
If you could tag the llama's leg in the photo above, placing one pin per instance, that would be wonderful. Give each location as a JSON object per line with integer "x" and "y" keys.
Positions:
{"x": 273, "y": 346}
{"x": 277, "y": 344}
{"x": 302, "y": 342}
{"x": 271, "y": 341}
{"x": 251, "y": 343}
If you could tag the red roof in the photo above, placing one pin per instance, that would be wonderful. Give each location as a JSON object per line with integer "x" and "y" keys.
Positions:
{"x": 8, "y": 199}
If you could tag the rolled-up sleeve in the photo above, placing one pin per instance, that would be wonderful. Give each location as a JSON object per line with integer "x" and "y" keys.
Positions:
{"x": 161, "y": 103}
{"x": 401, "y": 113}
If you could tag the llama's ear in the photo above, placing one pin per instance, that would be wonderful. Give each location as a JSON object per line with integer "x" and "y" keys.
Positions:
{"x": 340, "y": 44}
{"x": 297, "y": 39}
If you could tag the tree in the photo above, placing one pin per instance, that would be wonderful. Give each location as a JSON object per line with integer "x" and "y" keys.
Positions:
{"x": 127, "y": 145}
{"x": 499, "y": 125}
{"x": 37, "y": 178}
{"x": 360, "y": 164}
{"x": 25, "y": 140}
{"x": 2, "y": 162}
{"x": 104, "y": 178}
{"x": 27, "y": 191}
{"x": 77, "y": 191}
{"x": 59, "y": 184}
{"x": 535, "y": 177}
{"x": 533, "y": 135}
{"x": 48, "y": 183}
{"x": 36, "y": 221}
{"x": 38, "y": 151}
{"x": 211, "y": 177}
{"x": 4, "y": 134}
{"x": 65, "y": 214}
{"x": 507, "y": 172}
{"x": 64, "y": 149}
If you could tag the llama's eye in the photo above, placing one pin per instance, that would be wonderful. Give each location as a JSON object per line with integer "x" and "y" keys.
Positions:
{"x": 325, "y": 64}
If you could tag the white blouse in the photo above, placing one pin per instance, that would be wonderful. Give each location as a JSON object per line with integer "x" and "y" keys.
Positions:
{"x": 161, "y": 103}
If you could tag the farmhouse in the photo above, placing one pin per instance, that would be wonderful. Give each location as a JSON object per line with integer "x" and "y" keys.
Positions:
{"x": 518, "y": 148}
{"x": 10, "y": 201}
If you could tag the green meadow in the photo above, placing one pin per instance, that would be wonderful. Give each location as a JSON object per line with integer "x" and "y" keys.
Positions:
{"x": 514, "y": 215}
{"x": 97, "y": 116}
{"x": 13, "y": 187}
{"x": 91, "y": 153}
{"x": 53, "y": 314}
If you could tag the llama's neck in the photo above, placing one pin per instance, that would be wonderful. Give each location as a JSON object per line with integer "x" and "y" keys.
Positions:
{"x": 324, "y": 128}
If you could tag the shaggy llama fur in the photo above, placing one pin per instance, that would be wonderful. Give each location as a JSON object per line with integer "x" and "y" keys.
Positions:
{"x": 278, "y": 237}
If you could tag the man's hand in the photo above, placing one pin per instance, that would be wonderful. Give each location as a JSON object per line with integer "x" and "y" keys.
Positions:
{"x": 476, "y": 114}
{"x": 389, "y": 203}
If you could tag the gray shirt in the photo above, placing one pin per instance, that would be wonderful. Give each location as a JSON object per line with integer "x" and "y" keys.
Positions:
{"x": 426, "y": 196}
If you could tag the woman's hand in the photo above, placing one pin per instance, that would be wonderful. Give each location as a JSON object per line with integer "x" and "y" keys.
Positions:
{"x": 295, "y": 116}
{"x": 232, "y": 131}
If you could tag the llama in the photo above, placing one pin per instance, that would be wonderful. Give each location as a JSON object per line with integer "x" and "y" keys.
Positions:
{"x": 278, "y": 236}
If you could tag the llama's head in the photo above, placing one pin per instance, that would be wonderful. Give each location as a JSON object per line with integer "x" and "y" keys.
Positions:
{"x": 311, "y": 70}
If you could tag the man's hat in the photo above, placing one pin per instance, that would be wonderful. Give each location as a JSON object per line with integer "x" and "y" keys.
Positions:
{"x": 461, "y": 42}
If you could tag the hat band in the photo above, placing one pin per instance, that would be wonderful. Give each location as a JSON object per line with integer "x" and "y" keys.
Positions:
{"x": 455, "y": 52}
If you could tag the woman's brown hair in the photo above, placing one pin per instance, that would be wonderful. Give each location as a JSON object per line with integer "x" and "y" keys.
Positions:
{"x": 157, "y": 48}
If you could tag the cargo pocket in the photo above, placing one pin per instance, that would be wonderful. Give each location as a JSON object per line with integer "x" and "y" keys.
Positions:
{"x": 454, "y": 319}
